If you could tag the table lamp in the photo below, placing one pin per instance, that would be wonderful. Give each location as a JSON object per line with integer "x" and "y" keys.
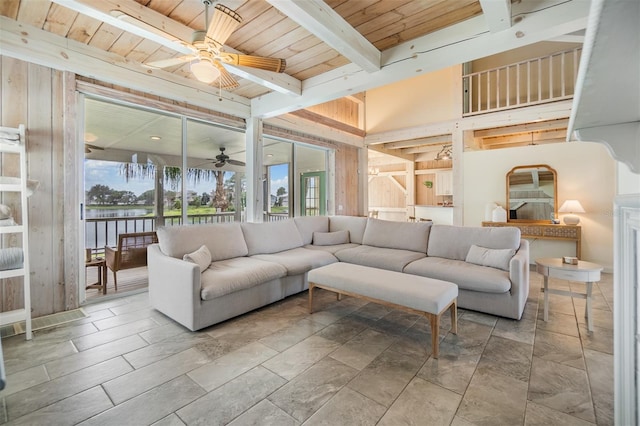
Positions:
{"x": 571, "y": 206}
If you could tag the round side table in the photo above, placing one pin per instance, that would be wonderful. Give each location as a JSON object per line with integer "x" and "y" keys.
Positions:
{"x": 585, "y": 272}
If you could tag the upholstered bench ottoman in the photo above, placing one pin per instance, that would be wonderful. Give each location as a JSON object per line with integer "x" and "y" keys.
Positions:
{"x": 413, "y": 293}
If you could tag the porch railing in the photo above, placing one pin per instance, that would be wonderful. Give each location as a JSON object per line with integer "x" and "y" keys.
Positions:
{"x": 545, "y": 79}
{"x": 104, "y": 231}
{"x": 274, "y": 217}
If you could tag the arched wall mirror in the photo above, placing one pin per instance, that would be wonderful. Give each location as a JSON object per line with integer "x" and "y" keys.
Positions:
{"x": 532, "y": 194}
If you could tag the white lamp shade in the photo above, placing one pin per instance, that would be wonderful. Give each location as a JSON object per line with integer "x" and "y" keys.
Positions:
{"x": 205, "y": 71}
{"x": 571, "y": 206}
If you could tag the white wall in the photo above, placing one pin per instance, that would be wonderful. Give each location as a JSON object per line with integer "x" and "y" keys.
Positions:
{"x": 428, "y": 98}
{"x": 586, "y": 172}
{"x": 628, "y": 182}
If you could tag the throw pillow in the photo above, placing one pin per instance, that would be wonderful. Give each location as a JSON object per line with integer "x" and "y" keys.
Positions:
{"x": 5, "y": 212}
{"x": 330, "y": 238}
{"x": 201, "y": 257}
{"x": 495, "y": 258}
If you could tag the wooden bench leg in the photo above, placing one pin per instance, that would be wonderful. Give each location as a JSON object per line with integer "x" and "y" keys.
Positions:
{"x": 338, "y": 296}
{"x": 454, "y": 316}
{"x": 311, "y": 287}
{"x": 435, "y": 333}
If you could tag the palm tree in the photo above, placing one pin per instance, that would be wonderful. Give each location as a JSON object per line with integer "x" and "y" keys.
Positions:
{"x": 173, "y": 177}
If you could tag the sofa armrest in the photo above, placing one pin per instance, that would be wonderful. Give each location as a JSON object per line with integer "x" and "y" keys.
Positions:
{"x": 519, "y": 274}
{"x": 174, "y": 286}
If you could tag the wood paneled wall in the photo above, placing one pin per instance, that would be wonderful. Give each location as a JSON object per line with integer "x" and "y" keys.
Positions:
{"x": 347, "y": 180}
{"x": 33, "y": 95}
{"x": 343, "y": 110}
{"x": 387, "y": 191}
{"x": 44, "y": 100}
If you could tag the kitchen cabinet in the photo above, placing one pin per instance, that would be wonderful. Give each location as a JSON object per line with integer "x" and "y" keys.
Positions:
{"x": 444, "y": 182}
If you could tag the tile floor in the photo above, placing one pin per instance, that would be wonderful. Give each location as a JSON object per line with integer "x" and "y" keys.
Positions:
{"x": 350, "y": 363}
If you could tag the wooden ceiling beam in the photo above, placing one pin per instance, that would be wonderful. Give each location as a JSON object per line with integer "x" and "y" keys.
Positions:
{"x": 421, "y": 149}
{"x": 459, "y": 43}
{"x": 30, "y": 44}
{"x": 419, "y": 142}
{"x": 497, "y": 13}
{"x": 522, "y": 128}
{"x": 392, "y": 153}
{"x": 320, "y": 19}
{"x": 131, "y": 16}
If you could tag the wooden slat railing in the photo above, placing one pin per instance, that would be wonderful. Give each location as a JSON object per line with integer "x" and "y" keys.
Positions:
{"x": 540, "y": 80}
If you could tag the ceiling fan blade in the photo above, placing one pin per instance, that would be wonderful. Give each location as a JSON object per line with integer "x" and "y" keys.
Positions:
{"x": 260, "y": 62}
{"x": 164, "y": 63}
{"x": 223, "y": 22}
{"x": 236, "y": 162}
{"x": 220, "y": 164}
{"x": 225, "y": 80}
{"x": 89, "y": 146}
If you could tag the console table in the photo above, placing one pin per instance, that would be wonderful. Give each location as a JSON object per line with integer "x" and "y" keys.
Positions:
{"x": 545, "y": 231}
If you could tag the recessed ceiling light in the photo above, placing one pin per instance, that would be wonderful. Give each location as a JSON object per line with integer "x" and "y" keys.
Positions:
{"x": 269, "y": 155}
{"x": 155, "y": 138}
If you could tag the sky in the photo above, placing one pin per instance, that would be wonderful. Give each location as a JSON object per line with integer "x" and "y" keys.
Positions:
{"x": 108, "y": 173}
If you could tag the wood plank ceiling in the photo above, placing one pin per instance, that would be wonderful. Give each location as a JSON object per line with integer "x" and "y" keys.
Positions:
{"x": 265, "y": 30}
{"x": 334, "y": 49}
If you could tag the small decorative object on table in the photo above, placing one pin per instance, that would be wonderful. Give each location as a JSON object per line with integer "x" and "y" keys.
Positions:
{"x": 570, "y": 260}
{"x": 499, "y": 214}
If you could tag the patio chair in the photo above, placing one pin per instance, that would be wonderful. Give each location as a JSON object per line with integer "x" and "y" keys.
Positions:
{"x": 131, "y": 252}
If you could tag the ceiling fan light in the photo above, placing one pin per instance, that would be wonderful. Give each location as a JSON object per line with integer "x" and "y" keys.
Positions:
{"x": 205, "y": 71}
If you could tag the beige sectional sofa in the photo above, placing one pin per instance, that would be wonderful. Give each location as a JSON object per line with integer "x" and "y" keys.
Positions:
{"x": 200, "y": 275}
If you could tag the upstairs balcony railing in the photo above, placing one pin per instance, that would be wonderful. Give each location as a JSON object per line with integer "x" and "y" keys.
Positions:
{"x": 535, "y": 81}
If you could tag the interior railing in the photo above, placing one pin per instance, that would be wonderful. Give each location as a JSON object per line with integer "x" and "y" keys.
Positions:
{"x": 545, "y": 79}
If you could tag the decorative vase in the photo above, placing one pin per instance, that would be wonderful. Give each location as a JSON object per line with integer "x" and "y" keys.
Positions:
{"x": 499, "y": 214}
{"x": 488, "y": 211}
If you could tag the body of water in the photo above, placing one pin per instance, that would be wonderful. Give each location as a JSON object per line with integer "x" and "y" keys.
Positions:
{"x": 108, "y": 213}
{"x": 99, "y": 234}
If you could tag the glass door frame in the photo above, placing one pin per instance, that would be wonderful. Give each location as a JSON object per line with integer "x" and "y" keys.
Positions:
{"x": 322, "y": 192}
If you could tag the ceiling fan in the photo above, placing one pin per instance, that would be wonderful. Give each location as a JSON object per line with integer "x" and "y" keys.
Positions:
{"x": 208, "y": 58}
{"x": 222, "y": 159}
{"x": 88, "y": 148}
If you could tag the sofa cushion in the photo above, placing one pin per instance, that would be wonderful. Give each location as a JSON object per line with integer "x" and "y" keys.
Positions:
{"x": 307, "y": 225}
{"x": 231, "y": 275}
{"x": 354, "y": 224}
{"x": 271, "y": 237}
{"x": 298, "y": 260}
{"x": 330, "y": 238}
{"x": 224, "y": 240}
{"x": 397, "y": 235}
{"x": 495, "y": 258}
{"x": 454, "y": 242}
{"x": 377, "y": 257}
{"x": 201, "y": 257}
{"x": 331, "y": 249}
{"x": 466, "y": 275}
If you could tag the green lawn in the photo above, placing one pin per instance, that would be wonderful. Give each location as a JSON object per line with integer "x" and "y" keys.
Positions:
{"x": 191, "y": 210}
